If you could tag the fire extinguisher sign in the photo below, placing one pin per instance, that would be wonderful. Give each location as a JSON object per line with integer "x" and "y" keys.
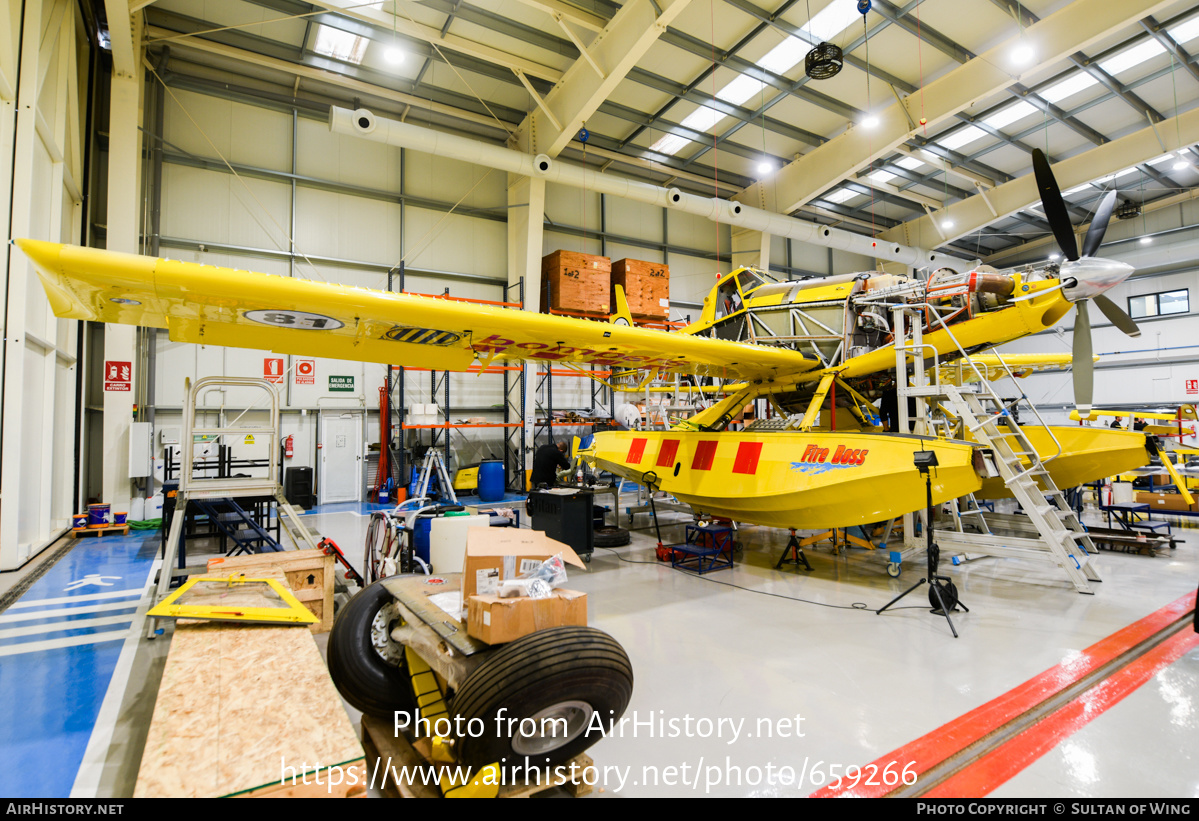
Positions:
{"x": 272, "y": 370}
{"x": 1193, "y": 387}
{"x": 305, "y": 371}
{"x": 118, "y": 376}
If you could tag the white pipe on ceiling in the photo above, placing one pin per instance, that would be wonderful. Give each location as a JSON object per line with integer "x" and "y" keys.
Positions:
{"x": 365, "y": 124}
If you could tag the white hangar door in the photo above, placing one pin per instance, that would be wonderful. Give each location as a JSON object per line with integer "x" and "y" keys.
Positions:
{"x": 341, "y": 458}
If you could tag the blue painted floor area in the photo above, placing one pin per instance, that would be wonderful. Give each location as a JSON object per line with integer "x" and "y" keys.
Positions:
{"x": 361, "y": 508}
{"x": 59, "y": 645}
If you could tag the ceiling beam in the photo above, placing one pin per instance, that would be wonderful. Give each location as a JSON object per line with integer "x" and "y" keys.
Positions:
{"x": 615, "y": 50}
{"x": 1059, "y": 35}
{"x": 124, "y": 40}
{"x": 972, "y": 214}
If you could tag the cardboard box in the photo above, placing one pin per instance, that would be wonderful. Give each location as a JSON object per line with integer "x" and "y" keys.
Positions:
{"x": 575, "y": 282}
{"x": 646, "y": 287}
{"x": 1165, "y": 501}
{"x": 495, "y": 620}
{"x": 494, "y": 554}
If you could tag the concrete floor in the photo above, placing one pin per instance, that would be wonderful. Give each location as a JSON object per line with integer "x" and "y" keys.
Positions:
{"x": 754, "y": 649}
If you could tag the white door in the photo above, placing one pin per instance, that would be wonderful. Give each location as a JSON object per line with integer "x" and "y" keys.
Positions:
{"x": 341, "y": 458}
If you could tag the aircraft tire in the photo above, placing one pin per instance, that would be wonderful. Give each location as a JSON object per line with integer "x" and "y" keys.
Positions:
{"x": 359, "y": 648}
{"x": 558, "y": 680}
{"x": 608, "y": 536}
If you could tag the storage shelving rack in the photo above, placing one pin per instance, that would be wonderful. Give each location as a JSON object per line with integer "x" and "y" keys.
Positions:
{"x": 513, "y": 391}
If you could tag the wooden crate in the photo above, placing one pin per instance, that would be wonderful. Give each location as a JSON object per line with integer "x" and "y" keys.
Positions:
{"x": 646, "y": 287}
{"x": 576, "y": 282}
{"x": 236, "y": 704}
{"x": 309, "y": 573}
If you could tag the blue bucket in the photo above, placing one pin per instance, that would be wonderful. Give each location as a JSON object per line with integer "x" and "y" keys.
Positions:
{"x": 420, "y": 537}
{"x": 491, "y": 480}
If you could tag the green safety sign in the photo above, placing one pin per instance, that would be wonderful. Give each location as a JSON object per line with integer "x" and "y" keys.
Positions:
{"x": 341, "y": 383}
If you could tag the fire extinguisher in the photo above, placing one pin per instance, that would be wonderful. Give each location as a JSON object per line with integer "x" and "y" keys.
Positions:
{"x": 289, "y": 447}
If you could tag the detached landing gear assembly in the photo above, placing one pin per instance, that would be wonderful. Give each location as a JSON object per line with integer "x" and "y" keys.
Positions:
{"x": 538, "y": 701}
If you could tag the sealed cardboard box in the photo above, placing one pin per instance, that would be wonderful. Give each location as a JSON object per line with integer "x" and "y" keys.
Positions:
{"x": 496, "y": 554}
{"x": 1165, "y": 501}
{"x": 495, "y": 620}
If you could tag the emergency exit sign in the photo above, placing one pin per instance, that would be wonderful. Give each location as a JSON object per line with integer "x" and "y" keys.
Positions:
{"x": 344, "y": 384}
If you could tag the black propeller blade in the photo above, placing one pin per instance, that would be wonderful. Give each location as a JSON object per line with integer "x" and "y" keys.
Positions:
{"x": 1098, "y": 227}
{"x": 1054, "y": 205}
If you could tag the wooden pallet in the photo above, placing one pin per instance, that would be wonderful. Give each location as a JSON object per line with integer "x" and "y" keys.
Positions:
{"x": 386, "y": 750}
{"x": 80, "y": 532}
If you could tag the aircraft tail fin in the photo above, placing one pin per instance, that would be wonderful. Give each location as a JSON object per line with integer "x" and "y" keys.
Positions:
{"x": 622, "y": 315}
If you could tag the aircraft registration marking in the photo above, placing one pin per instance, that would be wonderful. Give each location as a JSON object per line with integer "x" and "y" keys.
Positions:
{"x": 298, "y": 320}
{"x": 495, "y": 345}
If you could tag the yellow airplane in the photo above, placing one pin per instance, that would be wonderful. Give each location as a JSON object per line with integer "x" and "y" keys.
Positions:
{"x": 803, "y": 345}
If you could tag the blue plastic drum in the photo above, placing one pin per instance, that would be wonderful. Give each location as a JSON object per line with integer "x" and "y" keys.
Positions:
{"x": 491, "y": 480}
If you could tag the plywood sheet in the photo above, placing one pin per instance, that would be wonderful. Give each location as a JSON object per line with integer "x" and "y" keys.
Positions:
{"x": 237, "y": 704}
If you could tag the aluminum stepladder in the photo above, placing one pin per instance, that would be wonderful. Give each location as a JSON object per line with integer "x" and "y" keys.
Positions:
{"x": 433, "y": 467}
{"x": 1062, "y": 537}
{"x": 191, "y": 488}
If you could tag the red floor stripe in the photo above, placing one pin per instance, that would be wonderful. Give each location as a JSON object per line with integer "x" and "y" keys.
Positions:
{"x": 998, "y": 766}
{"x": 951, "y": 738}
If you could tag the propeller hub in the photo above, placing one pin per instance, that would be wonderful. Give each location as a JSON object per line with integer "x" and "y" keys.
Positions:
{"x": 1092, "y": 276}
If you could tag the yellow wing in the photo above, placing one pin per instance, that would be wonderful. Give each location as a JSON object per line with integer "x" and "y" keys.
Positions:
{"x": 221, "y": 306}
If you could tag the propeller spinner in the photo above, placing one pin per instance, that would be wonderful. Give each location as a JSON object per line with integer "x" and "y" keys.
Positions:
{"x": 1086, "y": 276}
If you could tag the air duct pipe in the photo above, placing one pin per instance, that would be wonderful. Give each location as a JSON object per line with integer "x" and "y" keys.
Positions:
{"x": 365, "y": 124}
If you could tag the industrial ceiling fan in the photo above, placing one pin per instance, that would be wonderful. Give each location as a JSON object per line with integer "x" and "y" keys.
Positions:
{"x": 1084, "y": 277}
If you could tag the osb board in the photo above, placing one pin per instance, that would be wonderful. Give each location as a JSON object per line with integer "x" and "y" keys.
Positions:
{"x": 391, "y": 751}
{"x": 309, "y": 575}
{"x": 646, "y": 286}
{"x": 237, "y": 702}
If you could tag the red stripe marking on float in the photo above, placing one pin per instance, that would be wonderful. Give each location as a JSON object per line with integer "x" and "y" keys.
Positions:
{"x": 670, "y": 449}
{"x": 636, "y": 451}
{"x": 705, "y": 452}
{"x": 748, "y": 454}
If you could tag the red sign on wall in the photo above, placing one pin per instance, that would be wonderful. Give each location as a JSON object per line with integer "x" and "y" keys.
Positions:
{"x": 1192, "y": 387}
{"x": 118, "y": 376}
{"x": 305, "y": 371}
{"x": 272, "y": 370}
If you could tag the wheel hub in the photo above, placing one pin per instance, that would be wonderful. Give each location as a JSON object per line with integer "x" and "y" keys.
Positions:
{"x": 387, "y": 648}
{"x": 551, "y": 728}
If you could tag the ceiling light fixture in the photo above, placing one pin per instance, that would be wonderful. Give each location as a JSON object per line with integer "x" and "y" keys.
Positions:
{"x": 947, "y": 224}
{"x": 1023, "y": 54}
{"x": 869, "y": 121}
{"x": 393, "y": 55}
{"x": 765, "y": 167}
{"x": 1180, "y": 164}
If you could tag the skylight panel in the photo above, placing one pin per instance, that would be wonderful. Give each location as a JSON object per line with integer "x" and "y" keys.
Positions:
{"x": 740, "y": 89}
{"x": 840, "y": 196}
{"x": 1133, "y": 57}
{"x": 1010, "y": 114}
{"x": 669, "y": 144}
{"x": 340, "y": 45}
{"x": 1073, "y": 84}
{"x": 910, "y": 163}
{"x": 785, "y": 56}
{"x": 702, "y": 118}
{"x": 833, "y": 19}
{"x": 1185, "y": 31}
{"x": 967, "y": 135}
{"x": 882, "y": 175}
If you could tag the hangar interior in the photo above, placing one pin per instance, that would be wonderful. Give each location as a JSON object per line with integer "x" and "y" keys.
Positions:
{"x": 372, "y": 146}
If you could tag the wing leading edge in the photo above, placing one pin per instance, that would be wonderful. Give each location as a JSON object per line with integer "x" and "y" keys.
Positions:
{"x": 223, "y": 306}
